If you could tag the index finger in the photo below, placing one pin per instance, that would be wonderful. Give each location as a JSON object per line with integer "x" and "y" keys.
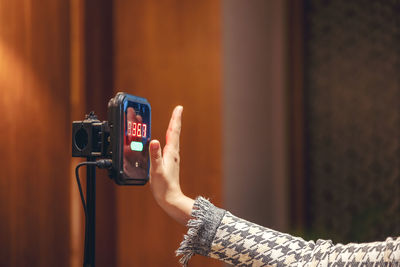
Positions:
{"x": 174, "y": 129}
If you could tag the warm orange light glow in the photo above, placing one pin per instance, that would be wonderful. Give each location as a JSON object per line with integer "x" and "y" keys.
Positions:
{"x": 77, "y": 101}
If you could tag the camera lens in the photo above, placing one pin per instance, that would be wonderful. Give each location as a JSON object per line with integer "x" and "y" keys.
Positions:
{"x": 81, "y": 139}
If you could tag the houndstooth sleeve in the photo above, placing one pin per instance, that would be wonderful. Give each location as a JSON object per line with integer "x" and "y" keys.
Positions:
{"x": 218, "y": 234}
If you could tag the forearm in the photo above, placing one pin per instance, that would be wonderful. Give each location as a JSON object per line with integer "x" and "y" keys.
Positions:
{"x": 239, "y": 242}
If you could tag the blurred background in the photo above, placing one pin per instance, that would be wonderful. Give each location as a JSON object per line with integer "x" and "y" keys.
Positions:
{"x": 291, "y": 119}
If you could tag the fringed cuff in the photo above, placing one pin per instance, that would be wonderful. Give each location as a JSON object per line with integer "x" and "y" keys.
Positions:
{"x": 202, "y": 229}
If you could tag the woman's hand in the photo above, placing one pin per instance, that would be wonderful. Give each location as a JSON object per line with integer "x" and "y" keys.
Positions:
{"x": 164, "y": 172}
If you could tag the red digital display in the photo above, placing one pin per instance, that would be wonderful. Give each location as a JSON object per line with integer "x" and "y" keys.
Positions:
{"x": 137, "y": 129}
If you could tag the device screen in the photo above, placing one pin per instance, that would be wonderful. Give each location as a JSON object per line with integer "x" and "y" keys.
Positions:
{"x": 136, "y": 139}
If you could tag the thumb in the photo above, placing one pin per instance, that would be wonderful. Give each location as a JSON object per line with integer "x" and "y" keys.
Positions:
{"x": 155, "y": 156}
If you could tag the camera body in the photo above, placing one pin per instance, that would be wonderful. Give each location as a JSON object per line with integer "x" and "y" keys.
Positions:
{"x": 124, "y": 139}
{"x": 90, "y": 138}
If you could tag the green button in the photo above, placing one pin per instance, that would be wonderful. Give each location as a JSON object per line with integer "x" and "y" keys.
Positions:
{"x": 136, "y": 146}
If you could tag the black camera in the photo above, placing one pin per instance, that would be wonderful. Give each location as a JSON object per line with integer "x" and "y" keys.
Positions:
{"x": 124, "y": 139}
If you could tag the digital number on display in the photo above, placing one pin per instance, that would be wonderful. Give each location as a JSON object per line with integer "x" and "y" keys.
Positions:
{"x": 137, "y": 129}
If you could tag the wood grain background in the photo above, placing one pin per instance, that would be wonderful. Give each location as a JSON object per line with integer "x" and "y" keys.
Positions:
{"x": 61, "y": 59}
{"x": 35, "y": 133}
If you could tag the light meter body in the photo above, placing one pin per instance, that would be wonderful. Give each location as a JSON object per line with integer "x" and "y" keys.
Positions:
{"x": 129, "y": 120}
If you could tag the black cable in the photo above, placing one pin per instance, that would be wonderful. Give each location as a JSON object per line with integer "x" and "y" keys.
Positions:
{"x": 103, "y": 163}
{"x": 86, "y": 163}
{"x": 79, "y": 183}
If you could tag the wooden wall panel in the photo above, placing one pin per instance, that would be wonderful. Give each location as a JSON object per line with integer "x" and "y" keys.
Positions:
{"x": 99, "y": 89}
{"x": 35, "y": 133}
{"x": 170, "y": 52}
{"x": 77, "y": 109}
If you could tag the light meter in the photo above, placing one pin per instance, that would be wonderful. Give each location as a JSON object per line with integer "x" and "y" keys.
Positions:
{"x": 130, "y": 133}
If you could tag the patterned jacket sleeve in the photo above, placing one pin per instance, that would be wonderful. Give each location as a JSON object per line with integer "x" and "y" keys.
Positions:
{"x": 218, "y": 234}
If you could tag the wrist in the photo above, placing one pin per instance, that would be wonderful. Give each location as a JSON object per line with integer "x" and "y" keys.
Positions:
{"x": 178, "y": 207}
{"x": 172, "y": 199}
{"x": 169, "y": 196}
